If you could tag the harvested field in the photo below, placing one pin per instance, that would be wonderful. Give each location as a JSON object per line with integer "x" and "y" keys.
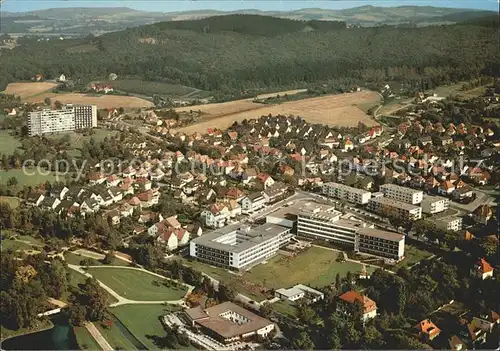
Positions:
{"x": 333, "y": 110}
{"x": 102, "y": 101}
{"x": 281, "y": 93}
{"x": 25, "y": 90}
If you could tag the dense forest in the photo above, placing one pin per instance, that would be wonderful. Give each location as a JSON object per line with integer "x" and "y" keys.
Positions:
{"x": 232, "y": 53}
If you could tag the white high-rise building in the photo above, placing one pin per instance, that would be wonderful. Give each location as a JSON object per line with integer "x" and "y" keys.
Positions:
{"x": 69, "y": 118}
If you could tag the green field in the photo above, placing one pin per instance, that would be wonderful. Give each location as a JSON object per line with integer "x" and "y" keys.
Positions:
{"x": 137, "y": 285}
{"x": 114, "y": 336}
{"x": 143, "y": 321}
{"x": 413, "y": 255}
{"x": 285, "y": 308}
{"x": 28, "y": 176}
{"x": 316, "y": 267}
{"x": 6, "y": 333}
{"x": 14, "y": 245}
{"x": 74, "y": 258}
{"x": 8, "y": 143}
{"x": 13, "y": 201}
{"x": 148, "y": 88}
{"x": 84, "y": 339}
{"x": 77, "y": 139}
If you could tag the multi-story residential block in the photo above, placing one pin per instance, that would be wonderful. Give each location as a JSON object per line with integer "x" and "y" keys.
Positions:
{"x": 239, "y": 246}
{"x": 68, "y": 118}
{"x": 252, "y": 202}
{"x": 434, "y": 204}
{"x": 451, "y": 223}
{"x": 323, "y": 222}
{"x": 401, "y": 193}
{"x": 384, "y": 206}
{"x": 348, "y": 193}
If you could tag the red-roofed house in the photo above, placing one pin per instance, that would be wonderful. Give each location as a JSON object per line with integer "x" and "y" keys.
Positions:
{"x": 427, "y": 330}
{"x": 168, "y": 237}
{"x": 351, "y": 297}
{"x": 482, "y": 269}
{"x": 265, "y": 179}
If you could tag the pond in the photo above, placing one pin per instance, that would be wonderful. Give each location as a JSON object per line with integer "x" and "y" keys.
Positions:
{"x": 60, "y": 337}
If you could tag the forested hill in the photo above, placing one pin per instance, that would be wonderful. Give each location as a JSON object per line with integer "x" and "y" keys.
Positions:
{"x": 216, "y": 59}
{"x": 248, "y": 24}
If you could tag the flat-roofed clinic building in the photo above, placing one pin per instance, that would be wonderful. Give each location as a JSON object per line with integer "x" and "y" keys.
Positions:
{"x": 348, "y": 193}
{"x": 68, "y": 118}
{"x": 434, "y": 204}
{"x": 381, "y": 243}
{"x": 448, "y": 223}
{"x": 51, "y": 121}
{"x": 239, "y": 246}
{"x": 323, "y": 222}
{"x": 401, "y": 193}
{"x": 383, "y": 205}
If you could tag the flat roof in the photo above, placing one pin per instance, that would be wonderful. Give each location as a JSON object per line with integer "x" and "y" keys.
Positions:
{"x": 400, "y": 188}
{"x": 298, "y": 206}
{"x": 347, "y": 187}
{"x": 383, "y": 234}
{"x": 225, "y": 327}
{"x": 432, "y": 199}
{"x": 253, "y": 236}
{"x": 394, "y": 203}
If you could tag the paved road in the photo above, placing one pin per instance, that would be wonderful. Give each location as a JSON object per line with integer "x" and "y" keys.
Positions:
{"x": 96, "y": 334}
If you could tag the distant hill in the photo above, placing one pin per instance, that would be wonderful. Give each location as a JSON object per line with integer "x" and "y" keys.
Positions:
{"x": 234, "y": 53}
{"x": 82, "y": 21}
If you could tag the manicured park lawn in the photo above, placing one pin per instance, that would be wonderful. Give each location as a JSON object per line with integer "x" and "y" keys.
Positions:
{"x": 14, "y": 245}
{"x": 11, "y": 200}
{"x": 77, "y": 139}
{"x": 75, "y": 258}
{"x": 8, "y": 142}
{"x": 115, "y": 336}
{"x": 315, "y": 267}
{"x": 28, "y": 177}
{"x": 413, "y": 255}
{"x": 137, "y": 285}
{"x": 84, "y": 339}
{"x": 143, "y": 321}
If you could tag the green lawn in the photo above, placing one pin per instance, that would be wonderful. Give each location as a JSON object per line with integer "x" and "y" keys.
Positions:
{"x": 316, "y": 267}
{"x": 413, "y": 255}
{"x": 28, "y": 176}
{"x": 84, "y": 339}
{"x": 77, "y": 278}
{"x": 8, "y": 142}
{"x": 74, "y": 258}
{"x": 150, "y": 88}
{"x": 285, "y": 308}
{"x": 114, "y": 336}
{"x": 143, "y": 321}
{"x": 136, "y": 285}
{"x": 13, "y": 201}
{"x": 77, "y": 139}
{"x": 6, "y": 333}
{"x": 14, "y": 245}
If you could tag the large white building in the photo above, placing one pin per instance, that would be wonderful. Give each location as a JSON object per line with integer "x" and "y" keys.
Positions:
{"x": 348, "y": 193}
{"x": 323, "y": 222}
{"x": 239, "y": 246}
{"x": 401, "y": 193}
{"x": 434, "y": 204}
{"x": 384, "y": 206}
{"x": 68, "y": 118}
{"x": 450, "y": 223}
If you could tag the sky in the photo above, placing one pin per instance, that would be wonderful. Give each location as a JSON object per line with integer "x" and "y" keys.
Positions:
{"x": 232, "y": 5}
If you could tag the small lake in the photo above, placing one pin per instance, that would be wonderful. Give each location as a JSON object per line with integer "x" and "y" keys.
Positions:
{"x": 60, "y": 337}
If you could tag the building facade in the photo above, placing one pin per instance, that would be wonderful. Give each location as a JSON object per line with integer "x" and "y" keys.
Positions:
{"x": 401, "y": 193}
{"x": 324, "y": 223}
{"x": 348, "y": 193}
{"x": 239, "y": 246}
{"x": 68, "y": 118}
{"x": 435, "y": 204}
{"x": 383, "y": 205}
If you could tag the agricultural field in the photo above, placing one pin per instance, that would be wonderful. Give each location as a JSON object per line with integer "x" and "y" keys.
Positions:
{"x": 456, "y": 89}
{"x": 143, "y": 321}
{"x": 28, "y": 176}
{"x": 8, "y": 143}
{"x": 28, "y": 89}
{"x": 148, "y": 88}
{"x": 335, "y": 110}
{"x": 137, "y": 285}
{"x": 102, "y": 101}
